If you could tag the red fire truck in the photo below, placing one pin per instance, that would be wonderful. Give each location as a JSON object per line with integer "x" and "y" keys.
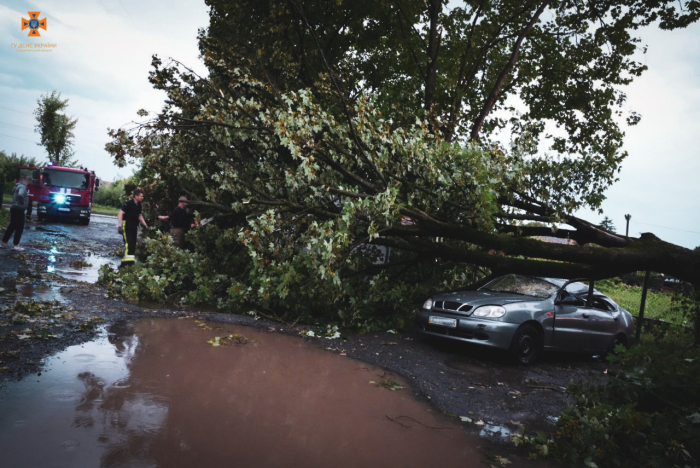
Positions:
{"x": 62, "y": 192}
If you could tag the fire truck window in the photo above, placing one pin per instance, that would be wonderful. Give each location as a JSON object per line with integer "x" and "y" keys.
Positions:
{"x": 26, "y": 172}
{"x": 66, "y": 179}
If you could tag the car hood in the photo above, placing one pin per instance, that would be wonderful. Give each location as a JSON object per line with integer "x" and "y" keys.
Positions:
{"x": 479, "y": 298}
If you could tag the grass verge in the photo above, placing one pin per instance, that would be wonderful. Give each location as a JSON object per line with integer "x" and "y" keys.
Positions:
{"x": 658, "y": 304}
{"x": 104, "y": 209}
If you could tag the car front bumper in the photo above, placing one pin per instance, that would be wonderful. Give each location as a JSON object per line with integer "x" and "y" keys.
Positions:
{"x": 469, "y": 329}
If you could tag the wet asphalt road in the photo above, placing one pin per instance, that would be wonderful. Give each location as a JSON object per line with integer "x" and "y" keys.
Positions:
{"x": 458, "y": 379}
{"x": 65, "y": 249}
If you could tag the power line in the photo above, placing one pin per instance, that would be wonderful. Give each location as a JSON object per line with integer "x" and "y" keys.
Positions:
{"x": 82, "y": 123}
{"x": 130, "y": 18}
{"x": 12, "y": 110}
{"x": 16, "y": 126}
{"x": 672, "y": 229}
{"x": 89, "y": 140}
{"x": 17, "y": 138}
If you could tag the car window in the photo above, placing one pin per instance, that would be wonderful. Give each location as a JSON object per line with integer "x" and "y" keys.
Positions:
{"x": 571, "y": 300}
{"x": 603, "y": 303}
{"x": 524, "y": 285}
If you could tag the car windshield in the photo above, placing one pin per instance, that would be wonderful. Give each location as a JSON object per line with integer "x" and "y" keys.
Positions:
{"x": 66, "y": 179}
{"x": 523, "y": 285}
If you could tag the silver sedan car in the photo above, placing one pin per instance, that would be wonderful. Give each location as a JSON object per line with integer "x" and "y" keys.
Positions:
{"x": 526, "y": 315}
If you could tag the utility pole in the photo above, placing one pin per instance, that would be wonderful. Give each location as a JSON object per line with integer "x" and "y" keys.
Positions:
{"x": 627, "y": 232}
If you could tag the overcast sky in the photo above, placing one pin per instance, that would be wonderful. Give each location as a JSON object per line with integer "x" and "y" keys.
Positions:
{"x": 103, "y": 56}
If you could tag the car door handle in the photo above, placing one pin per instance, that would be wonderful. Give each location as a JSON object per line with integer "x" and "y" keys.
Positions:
{"x": 586, "y": 315}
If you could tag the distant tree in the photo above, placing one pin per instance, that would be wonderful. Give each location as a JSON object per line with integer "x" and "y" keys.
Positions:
{"x": 10, "y": 163}
{"x": 607, "y": 224}
{"x": 55, "y": 128}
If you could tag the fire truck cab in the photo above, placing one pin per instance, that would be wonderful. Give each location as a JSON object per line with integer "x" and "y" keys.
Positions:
{"x": 62, "y": 192}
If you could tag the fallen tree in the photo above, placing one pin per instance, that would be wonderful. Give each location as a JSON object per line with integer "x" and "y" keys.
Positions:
{"x": 308, "y": 149}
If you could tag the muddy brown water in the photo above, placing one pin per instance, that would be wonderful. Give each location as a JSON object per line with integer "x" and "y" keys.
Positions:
{"x": 157, "y": 393}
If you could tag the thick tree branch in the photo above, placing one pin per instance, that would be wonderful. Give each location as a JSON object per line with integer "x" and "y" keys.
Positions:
{"x": 593, "y": 233}
{"x": 500, "y": 81}
{"x": 210, "y": 123}
{"x": 648, "y": 253}
{"x": 340, "y": 93}
{"x": 433, "y": 48}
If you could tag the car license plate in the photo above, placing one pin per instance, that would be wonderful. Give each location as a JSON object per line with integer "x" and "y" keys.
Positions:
{"x": 443, "y": 322}
{"x": 64, "y": 209}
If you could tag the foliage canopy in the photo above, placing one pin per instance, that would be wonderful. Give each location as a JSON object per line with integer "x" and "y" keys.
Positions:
{"x": 330, "y": 133}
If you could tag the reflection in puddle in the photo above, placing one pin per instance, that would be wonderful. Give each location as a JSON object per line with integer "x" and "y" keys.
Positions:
{"x": 489, "y": 430}
{"x": 163, "y": 396}
{"x": 73, "y": 257}
{"x": 81, "y": 266}
{"x": 87, "y": 271}
{"x": 38, "y": 291}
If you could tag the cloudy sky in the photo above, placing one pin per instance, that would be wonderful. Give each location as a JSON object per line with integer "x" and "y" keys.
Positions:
{"x": 103, "y": 54}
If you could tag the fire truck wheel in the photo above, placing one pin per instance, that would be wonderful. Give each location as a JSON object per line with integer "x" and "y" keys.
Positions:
{"x": 84, "y": 222}
{"x": 41, "y": 217}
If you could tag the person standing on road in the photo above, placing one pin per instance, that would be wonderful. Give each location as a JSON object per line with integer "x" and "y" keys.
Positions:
{"x": 180, "y": 222}
{"x": 20, "y": 201}
{"x": 129, "y": 218}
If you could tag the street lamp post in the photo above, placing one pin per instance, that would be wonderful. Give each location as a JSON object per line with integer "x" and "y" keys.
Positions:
{"x": 627, "y": 232}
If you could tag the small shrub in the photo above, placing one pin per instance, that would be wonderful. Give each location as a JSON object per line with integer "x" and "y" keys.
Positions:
{"x": 647, "y": 414}
{"x": 113, "y": 196}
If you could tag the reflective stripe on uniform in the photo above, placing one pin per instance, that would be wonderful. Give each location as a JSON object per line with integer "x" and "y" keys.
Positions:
{"x": 126, "y": 243}
{"x": 126, "y": 258}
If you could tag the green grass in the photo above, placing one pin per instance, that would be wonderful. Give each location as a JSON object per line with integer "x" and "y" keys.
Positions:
{"x": 658, "y": 305}
{"x": 103, "y": 209}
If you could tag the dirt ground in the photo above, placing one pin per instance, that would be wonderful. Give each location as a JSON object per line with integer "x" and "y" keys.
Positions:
{"x": 493, "y": 396}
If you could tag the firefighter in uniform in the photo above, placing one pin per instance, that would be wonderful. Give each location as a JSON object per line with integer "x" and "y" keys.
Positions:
{"x": 129, "y": 218}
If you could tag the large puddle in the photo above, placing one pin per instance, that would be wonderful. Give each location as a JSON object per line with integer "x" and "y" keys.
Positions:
{"x": 161, "y": 395}
{"x": 70, "y": 250}
{"x": 65, "y": 251}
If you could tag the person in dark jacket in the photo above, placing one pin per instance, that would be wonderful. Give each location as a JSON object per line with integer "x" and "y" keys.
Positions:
{"x": 180, "y": 222}
{"x": 20, "y": 201}
{"x": 129, "y": 218}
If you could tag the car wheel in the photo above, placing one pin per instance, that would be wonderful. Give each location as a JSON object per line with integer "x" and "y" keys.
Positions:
{"x": 619, "y": 339}
{"x": 526, "y": 344}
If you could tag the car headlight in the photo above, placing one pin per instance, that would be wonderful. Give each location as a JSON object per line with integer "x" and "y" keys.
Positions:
{"x": 489, "y": 311}
{"x": 60, "y": 199}
{"x": 428, "y": 304}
